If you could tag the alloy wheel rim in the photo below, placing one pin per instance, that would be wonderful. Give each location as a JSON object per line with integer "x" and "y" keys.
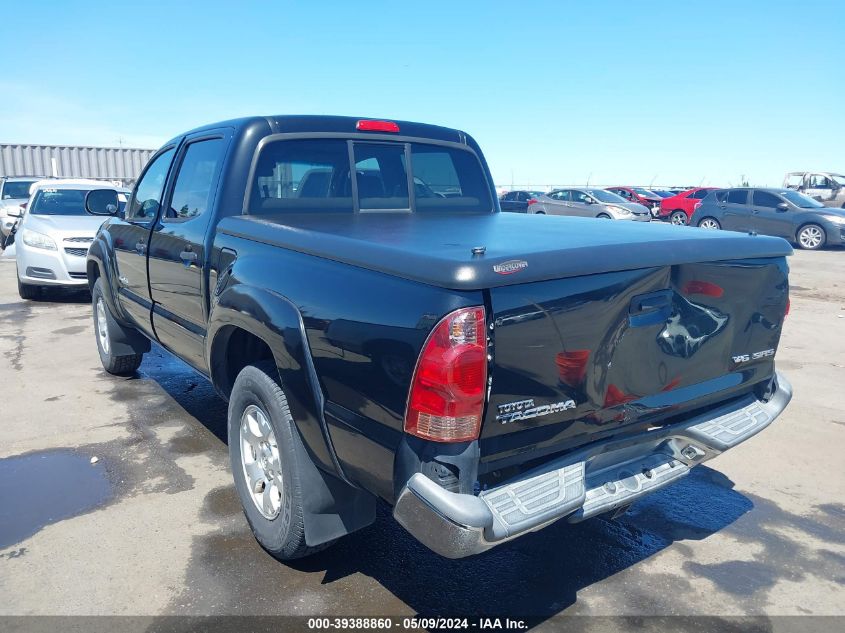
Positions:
{"x": 708, "y": 224}
{"x": 102, "y": 326}
{"x": 678, "y": 218}
{"x": 260, "y": 460}
{"x": 811, "y": 237}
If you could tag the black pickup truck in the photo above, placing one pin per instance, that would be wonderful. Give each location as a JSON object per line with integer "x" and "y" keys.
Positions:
{"x": 381, "y": 330}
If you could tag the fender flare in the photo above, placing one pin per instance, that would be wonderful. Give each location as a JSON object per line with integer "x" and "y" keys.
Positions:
{"x": 333, "y": 505}
{"x": 100, "y": 253}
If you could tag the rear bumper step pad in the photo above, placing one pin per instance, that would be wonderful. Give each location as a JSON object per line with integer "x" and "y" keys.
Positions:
{"x": 599, "y": 478}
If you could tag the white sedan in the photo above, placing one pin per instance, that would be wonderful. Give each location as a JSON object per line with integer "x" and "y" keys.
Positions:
{"x": 53, "y": 236}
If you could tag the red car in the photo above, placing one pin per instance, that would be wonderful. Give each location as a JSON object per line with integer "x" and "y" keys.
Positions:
{"x": 640, "y": 195}
{"x": 679, "y": 209}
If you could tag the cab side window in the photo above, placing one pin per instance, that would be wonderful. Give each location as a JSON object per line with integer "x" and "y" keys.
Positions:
{"x": 195, "y": 183}
{"x": 147, "y": 199}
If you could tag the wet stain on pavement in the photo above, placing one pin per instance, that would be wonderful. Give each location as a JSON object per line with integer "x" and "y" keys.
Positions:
{"x": 222, "y": 502}
{"x": 38, "y": 489}
{"x": 74, "y": 329}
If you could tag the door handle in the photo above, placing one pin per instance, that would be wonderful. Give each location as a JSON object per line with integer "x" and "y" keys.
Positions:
{"x": 188, "y": 257}
{"x": 650, "y": 309}
{"x": 141, "y": 247}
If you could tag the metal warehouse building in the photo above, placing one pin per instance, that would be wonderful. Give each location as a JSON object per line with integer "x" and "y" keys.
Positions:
{"x": 66, "y": 161}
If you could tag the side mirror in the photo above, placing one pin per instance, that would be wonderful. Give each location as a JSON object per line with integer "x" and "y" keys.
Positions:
{"x": 102, "y": 202}
{"x": 589, "y": 200}
{"x": 782, "y": 207}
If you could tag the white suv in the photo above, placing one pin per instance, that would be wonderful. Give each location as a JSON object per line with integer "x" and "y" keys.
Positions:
{"x": 53, "y": 236}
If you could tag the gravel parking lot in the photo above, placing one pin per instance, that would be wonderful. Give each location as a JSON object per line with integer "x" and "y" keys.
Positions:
{"x": 154, "y": 525}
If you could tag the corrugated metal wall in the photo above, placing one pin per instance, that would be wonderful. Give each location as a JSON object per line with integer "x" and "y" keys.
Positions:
{"x": 102, "y": 163}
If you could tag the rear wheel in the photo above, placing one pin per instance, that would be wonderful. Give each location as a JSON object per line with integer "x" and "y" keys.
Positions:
{"x": 604, "y": 216}
{"x": 679, "y": 217}
{"x": 264, "y": 462}
{"x": 710, "y": 223}
{"x": 105, "y": 329}
{"x": 811, "y": 237}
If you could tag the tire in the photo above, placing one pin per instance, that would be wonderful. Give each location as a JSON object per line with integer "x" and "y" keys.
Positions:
{"x": 604, "y": 216}
{"x": 539, "y": 213}
{"x": 709, "y": 223}
{"x": 679, "y": 218}
{"x": 105, "y": 329}
{"x": 28, "y": 291}
{"x": 274, "y": 513}
{"x": 811, "y": 237}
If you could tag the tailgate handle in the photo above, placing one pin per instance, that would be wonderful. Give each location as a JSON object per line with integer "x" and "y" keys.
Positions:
{"x": 650, "y": 309}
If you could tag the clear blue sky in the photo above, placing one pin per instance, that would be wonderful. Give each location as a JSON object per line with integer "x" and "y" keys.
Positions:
{"x": 555, "y": 92}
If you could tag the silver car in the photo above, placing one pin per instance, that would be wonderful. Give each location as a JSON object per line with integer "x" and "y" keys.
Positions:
{"x": 14, "y": 191}
{"x": 590, "y": 203}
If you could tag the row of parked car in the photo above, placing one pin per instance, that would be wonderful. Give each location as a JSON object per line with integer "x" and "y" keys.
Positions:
{"x": 800, "y": 212}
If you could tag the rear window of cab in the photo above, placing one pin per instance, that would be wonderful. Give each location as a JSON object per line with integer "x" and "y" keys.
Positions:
{"x": 316, "y": 175}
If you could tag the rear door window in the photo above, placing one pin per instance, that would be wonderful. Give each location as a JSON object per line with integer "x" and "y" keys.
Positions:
{"x": 738, "y": 196}
{"x": 700, "y": 194}
{"x": 302, "y": 176}
{"x": 196, "y": 181}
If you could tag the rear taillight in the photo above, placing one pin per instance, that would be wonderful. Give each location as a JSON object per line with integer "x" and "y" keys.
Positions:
{"x": 447, "y": 392}
{"x": 23, "y": 206}
{"x": 365, "y": 125}
{"x": 695, "y": 206}
{"x": 532, "y": 201}
{"x": 788, "y": 306}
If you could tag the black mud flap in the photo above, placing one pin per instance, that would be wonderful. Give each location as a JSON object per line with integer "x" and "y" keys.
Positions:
{"x": 331, "y": 508}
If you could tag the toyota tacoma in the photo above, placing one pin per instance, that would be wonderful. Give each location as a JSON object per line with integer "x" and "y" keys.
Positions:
{"x": 382, "y": 331}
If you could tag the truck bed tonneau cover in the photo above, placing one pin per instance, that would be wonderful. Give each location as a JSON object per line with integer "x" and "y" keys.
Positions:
{"x": 436, "y": 249}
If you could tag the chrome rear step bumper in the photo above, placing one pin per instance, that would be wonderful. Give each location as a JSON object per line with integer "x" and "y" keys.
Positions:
{"x": 603, "y": 477}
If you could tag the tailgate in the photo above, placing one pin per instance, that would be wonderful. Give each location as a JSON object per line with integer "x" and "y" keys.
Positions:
{"x": 580, "y": 359}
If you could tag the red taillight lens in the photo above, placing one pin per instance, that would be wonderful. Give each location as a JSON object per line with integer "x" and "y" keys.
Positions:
{"x": 695, "y": 206}
{"x": 447, "y": 392}
{"x": 788, "y": 306}
{"x": 532, "y": 201}
{"x": 24, "y": 205}
{"x": 376, "y": 126}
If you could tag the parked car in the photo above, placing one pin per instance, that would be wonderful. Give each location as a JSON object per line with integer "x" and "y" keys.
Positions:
{"x": 589, "y": 203}
{"x": 52, "y": 237}
{"x": 826, "y": 187}
{"x": 14, "y": 192}
{"x": 518, "y": 201}
{"x": 642, "y": 196}
{"x": 539, "y": 368}
{"x": 678, "y": 209}
{"x": 780, "y": 212}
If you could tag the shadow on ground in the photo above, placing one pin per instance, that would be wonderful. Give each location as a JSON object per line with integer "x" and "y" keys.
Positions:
{"x": 537, "y": 576}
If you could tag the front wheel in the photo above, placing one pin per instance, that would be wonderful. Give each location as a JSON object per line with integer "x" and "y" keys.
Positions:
{"x": 264, "y": 462}
{"x": 710, "y": 223}
{"x": 105, "y": 329}
{"x": 679, "y": 218}
{"x": 604, "y": 216}
{"x": 28, "y": 291}
{"x": 811, "y": 237}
